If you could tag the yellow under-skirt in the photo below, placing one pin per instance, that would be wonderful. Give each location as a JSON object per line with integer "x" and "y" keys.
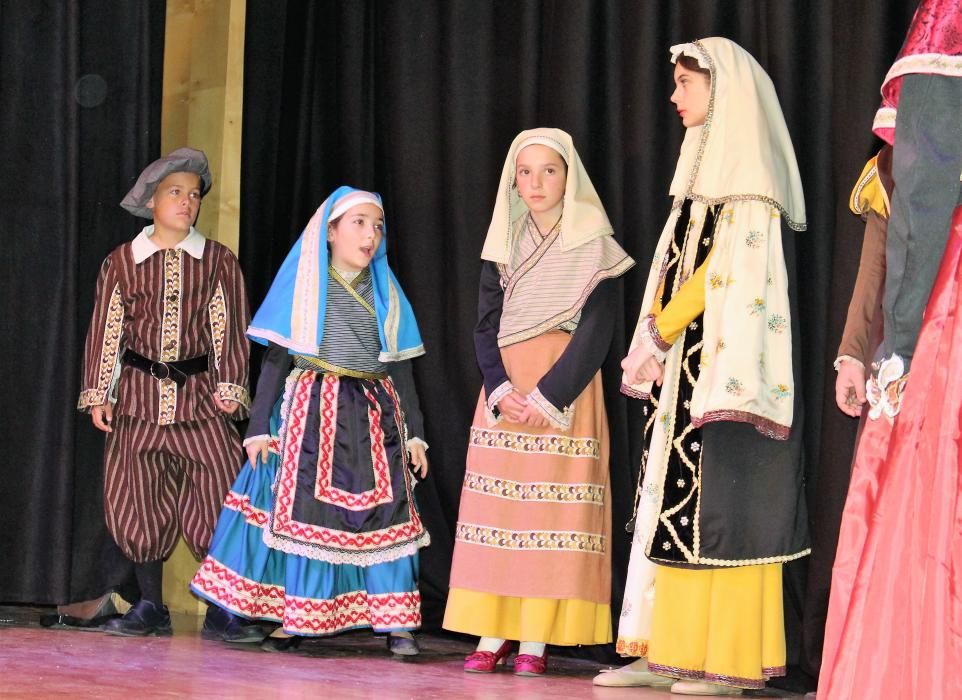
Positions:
{"x": 719, "y": 625}
{"x": 547, "y": 620}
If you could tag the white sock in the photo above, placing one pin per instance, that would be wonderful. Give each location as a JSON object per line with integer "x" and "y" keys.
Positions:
{"x": 636, "y": 665}
{"x": 491, "y": 644}
{"x": 406, "y": 635}
{"x": 532, "y": 648}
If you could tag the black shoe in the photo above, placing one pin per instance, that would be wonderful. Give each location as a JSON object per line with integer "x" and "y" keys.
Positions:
{"x": 143, "y": 620}
{"x": 223, "y": 626}
{"x": 56, "y": 621}
{"x": 403, "y": 646}
{"x": 281, "y": 643}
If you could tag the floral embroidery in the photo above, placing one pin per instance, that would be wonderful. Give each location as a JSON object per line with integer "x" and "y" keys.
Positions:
{"x": 531, "y": 540}
{"x": 693, "y": 326}
{"x": 666, "y": 545}
{"x": 777, "y": 323}
{"x": 781, "y": 391}
{"x": 728, "y": 216}
{"x": 631, "y": 648}
{"x": 680, "y": 483}
{"x": 715, "y": 281}
{"x": 753, "y": 239}
{"x": 885, "y": 387}
{"x": 684, "y": 521}
{"x": 696, "y": 447}
{"x": 756, "y": 307}
{"x": 536, "y": 444}
{"x": 720, "y": 345}
{"x": 734, "y": 386}
{"x": 534, "y": 491}
{"x": 666, "y": 420}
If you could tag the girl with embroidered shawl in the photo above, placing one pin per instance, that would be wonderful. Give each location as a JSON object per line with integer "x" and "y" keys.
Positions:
{"x": 320, "y": 532}
{"x": 532, "y": 552}
{"x": 721, "y": 504}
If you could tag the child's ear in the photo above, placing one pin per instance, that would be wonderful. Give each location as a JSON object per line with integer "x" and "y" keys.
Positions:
{"x": 150, "y": 203}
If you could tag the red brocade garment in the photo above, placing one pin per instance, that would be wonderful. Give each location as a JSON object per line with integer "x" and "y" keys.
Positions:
{"x": 894, "y": 625}
{"x": 933, "y": 45}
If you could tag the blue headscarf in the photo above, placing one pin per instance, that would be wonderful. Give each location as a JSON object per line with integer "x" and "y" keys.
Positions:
{"x": 293, "y": 312}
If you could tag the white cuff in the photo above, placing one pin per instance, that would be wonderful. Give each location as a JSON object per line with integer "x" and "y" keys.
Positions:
{"x": 499, "y": 393}
{"x": 255, "y": 438}
{"x": 847, "y": 358}
{"x": 416, "y": 441}
{"x": 652, "y": 341}
{"x": 558, "y": 419}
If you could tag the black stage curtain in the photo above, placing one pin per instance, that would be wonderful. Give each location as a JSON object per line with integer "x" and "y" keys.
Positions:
{"x": 419, "y": 99}
{"x": 80, "y": 89}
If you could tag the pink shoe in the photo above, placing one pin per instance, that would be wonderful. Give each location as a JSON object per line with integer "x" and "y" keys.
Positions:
{"x": 529, "y": 665}
{"x": 485, "y": 661}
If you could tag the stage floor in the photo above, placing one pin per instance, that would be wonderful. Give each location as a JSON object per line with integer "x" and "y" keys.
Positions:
{"x": 40, "y": 663}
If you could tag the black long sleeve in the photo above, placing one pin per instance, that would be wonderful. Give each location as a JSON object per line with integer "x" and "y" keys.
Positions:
{"x": 490, "y": 301}
{"x": 274, "y": 371}
{"x": 586, "y": 352}
{"x": 402, "y": 375}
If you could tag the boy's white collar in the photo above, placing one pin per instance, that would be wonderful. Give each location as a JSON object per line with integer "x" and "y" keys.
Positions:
{"x": 142, "y": 247}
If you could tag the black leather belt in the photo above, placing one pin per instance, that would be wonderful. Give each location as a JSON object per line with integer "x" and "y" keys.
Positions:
{"x": 178, "y": 371}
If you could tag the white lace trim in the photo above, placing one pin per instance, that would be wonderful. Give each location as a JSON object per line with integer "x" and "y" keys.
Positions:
{"x": 847, "y": 358}
{"x": 355, "y": 558}
{"x": 560, "y": 419}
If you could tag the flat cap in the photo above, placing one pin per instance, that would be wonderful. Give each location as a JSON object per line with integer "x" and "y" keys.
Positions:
{"x": 183, "y": 160}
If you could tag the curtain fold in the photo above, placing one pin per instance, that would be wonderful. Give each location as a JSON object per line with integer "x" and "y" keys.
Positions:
{"x": 80, "y": 89}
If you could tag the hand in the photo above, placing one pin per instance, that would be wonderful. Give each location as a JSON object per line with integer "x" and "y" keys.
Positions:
{"x": 850, "y": 388}
{"x": 511, "y": 405}
{"x": 532, "y": 415}
{"x": 227, "y": 406}
{"x": 419, "y": 459}
{"x": 103, "y": 417}
{"x": 641, "y": 366}
{"x": 257, "y": 449}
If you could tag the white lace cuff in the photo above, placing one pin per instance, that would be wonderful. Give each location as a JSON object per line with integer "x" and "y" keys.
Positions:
{"x": 651, "y": 339}
{"x": 503, "y": 390}
{"x": 847, "y": 358}
{"x": 560, "y": 419}
{"x": 416, "y": 441}
{"x": 256, "y": 438}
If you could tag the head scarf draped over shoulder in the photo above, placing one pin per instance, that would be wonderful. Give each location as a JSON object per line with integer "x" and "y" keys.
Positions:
{"x": 741, "y": 160}
{"x": 547, "y": 281}
{"x": 293, "y": 312}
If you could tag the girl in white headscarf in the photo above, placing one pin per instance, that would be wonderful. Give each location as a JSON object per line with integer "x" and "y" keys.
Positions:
{"x": 532, "y": 555}
{"x": 721, "y": 505}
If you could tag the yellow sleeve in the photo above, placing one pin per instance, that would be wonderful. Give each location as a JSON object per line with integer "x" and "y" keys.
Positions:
{"x": 685, "y": 306}
{"x": 869, "y": 193}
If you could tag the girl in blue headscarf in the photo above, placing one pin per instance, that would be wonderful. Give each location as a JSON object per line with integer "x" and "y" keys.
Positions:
{"x": 320, "y": 532}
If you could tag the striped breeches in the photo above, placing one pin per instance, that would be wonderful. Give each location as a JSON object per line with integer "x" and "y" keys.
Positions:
{"x": 164, "y": 480}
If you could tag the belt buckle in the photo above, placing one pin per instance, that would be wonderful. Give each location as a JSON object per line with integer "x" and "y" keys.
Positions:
{"x": 155, "y": 374}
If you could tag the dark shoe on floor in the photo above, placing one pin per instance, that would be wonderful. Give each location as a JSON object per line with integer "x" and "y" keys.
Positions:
{"x": 223, "y": 626}
{"x": 56, "y": 621}
{"x": 143, "y": 620}
{"x": 280, "y": 643}
{"x": 402, "y": 645}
